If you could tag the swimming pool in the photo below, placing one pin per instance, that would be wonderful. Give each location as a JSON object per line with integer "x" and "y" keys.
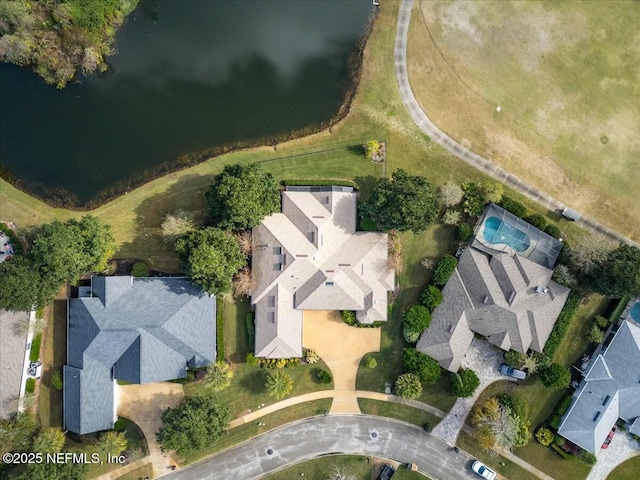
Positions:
{"x": 497, "y": 231}
{"x": 635, "y": 312}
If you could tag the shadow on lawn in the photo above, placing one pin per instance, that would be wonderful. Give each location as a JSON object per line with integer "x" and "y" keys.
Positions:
{"x": 188, "y": 194}
{"x": 254, "y": 381}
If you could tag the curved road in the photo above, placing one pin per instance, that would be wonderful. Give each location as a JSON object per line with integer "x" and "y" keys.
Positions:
{"x": 350, "y": 434}
{"x": 486, "y": 166}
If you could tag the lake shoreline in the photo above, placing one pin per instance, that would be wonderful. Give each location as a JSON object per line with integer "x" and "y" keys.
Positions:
{"x": 62, "y": 198}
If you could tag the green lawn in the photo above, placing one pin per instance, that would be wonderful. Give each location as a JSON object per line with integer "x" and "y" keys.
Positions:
{"x": 235, "y": 329}
{"x": 321, "y": 468}
{"x": 244, "y": 432}
{"x": 248, "y": 386}
{"x": 504, "y": 467}
{"x": 139, "y": 473}
{"x": 395, "y": 410}
{"x": 628, "y": 470}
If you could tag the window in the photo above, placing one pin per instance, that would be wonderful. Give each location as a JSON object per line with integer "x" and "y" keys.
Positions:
{"x": 271, "y": 317}
{"x": 272, "y": 301}
{"x": 329, "y": 284}
{"x": 277, "y": 250}
{"x": 277, "y": 266}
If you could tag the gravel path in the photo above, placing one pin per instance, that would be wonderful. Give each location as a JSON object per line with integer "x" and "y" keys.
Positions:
{"x": 13, "y": 336}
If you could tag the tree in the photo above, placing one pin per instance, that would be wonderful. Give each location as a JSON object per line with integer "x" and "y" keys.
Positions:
{"x": 408, "y": 386}
{"x": 425, "y": 367}
{"x": 211, "y": 258}
{"x": 279, "y": 384}
{"x": 193, "y": 425}
{"x": 619, "y": 274}
{"x": 495, "y": 426}
{"x": 530, "y": 363}
{"x": 516, "y": 404}
{"x": 339, "y": 474}
{"x": 464, "y": 383}
{"x": 450, "y": 194}
{"x": 431, "y": 297}
{"x": 492, "y": 191}
{"x": 445, "y": 268}
{"x": 473, "y": 202}
{"x": 555, "y": 376}
{"x": 218, "y": 376}
{"x": 404, "y": 203}
{"x": 514, "y": 359}
{"x": 563, "y": 276}
{"x": 544, "y": 436}
{"x": 595, "y": 335}
{"x": 113, "y": 443}
{"x": 590, "y": 253}
{"x": 50, "y": 440}
{"x": 54, "y": 471}
{"x": 451, "y": 217}
{"x": 324, "y": 375}
{"x": 243, "y": 283}
{"x": 588, "y": 458}
{"x": 177, "y": 224}
{"x": 16, "y": 434}
{"x": 416, "y": 320}
{"x": 23, "y": 288}
{"x": 241, "y": 196}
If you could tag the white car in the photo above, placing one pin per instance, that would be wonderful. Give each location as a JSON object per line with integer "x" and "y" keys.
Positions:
{"x": 482, "y": 470}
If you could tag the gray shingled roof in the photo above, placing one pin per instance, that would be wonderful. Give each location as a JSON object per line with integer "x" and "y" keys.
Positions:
{"x": 141, "y": 330}
{"x": 494, "y": 296}
{"x": 309, "y": 257}
{"x": 610, "y": 390}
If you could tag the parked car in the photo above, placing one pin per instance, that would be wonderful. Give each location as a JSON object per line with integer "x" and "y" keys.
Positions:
{"x": 387, "y": 472}
{"x": 512, "y": 372}
{"x": 607, "y": 440}
{"x": 482, "y": 470}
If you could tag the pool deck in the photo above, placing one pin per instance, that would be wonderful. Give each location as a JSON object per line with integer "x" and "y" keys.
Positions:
{"x": 626, "y": 313}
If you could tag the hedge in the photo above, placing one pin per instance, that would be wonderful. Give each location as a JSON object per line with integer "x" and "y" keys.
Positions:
{"x": 30, "y": 387}
{"x": 251, "y": 330}
{"x": 220, "y": 328}
{"x": 34, "y": 353}
{"x": 561, "y": 452}
{"x": 445, "y": 268}
{"x": 140, "y": 269}
{"x": 553, "y": 230}
{"x": 554, "y": 422}
{"x": 510, "y": 205}
{"x": 564, "y": 405}
{"x": 368, "y": 225}
{"x": 464, "y": 232}
{"x": 562, "y": 324}
{"x": 301, "y": 182}
{"x": 537, "y": 221}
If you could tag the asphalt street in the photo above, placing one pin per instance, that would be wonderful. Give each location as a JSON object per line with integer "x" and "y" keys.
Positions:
{"x": 348, "y": 434}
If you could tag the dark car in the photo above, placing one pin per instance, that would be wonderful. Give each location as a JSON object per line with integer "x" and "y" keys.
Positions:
{"x": 607, "y": 440}
{"x": 387, "y": 472}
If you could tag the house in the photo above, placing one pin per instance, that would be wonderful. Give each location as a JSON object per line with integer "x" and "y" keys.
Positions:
{"x": 310, "y": 257}
{"x": 140, "y": 330}
{"x": 609, "y": 390}
{"x": 497, "y": 292}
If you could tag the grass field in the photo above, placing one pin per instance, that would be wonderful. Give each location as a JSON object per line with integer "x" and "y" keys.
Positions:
{"x": 627, "y": 470}
{"x": 398, "y": 411}
{"x": 565, "y": 75}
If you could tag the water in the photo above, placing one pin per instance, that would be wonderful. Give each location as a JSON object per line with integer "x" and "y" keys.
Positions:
{"x": 498, "y": 232}
{"x": 635, "y": 312}
{"x": 188, "y": 76}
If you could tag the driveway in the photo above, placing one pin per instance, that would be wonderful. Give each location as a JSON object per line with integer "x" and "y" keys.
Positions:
{"x": 341, "y": 347}
{"x": 622, "y": 447}
{"x": 484, "y": 359}
{"x": 350, "y": 434}
{"x": 13, "y": 343}
{"x": 144, "y": 405}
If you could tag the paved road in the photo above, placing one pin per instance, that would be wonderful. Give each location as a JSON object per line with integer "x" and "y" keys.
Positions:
{"x": 350, "y": 434}
{"x": 485, "y": 166}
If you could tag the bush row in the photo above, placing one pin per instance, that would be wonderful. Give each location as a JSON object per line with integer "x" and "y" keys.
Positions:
{"x": 561, "y": 325}
{"x": 278, "y": 362}
{"x": 34, "y": 353}
{"x": 251, "y": 330}
{"x": 220, "y": 328}
{"x": 319, "y": 183}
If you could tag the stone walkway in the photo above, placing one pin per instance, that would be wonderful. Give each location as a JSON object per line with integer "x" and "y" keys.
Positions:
{"x": 484, "y": 359}
{"x": 622, "y": 447}
{"x": 341, "y": 347}
{"x": 485, "y": 166}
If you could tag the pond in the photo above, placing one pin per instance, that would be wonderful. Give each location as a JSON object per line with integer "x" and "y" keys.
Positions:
{"x": 188, "y": 76}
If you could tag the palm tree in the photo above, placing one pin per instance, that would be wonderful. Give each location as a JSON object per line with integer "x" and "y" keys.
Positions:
{"x": 531, "y": 363}
{"x": 49, "y": 441}
{"x": 279, "y": 384}
{"x": 218, "y": 376}
{"x": 113, "y": 443}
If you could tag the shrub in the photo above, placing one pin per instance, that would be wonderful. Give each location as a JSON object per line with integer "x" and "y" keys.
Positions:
{"x": 464, "y": 232}
{"x": 445, "y": 268}
{"x": 324, "y": 376}
{"x": 56, "y": 380}
{"x": 514, "y": 359}
{"x": 370, "y": 362}
{"x": 492, "y": 191}
{"x": 220, "y": 328}
{"x": 279, "y": 384}
{"x": 562, "y": 324}
{"x": 177, "y": 224}
{"x": 516, "y": 404}
{"x": 544, "y": 436}
{"x": 371, "y": 149}
{"x": 553, "y": 230}
{"x": 251, "y": 329}
{"x": 368, "y": 225}
{"x": 349, "y": 317}
{"x": 559, "y": 440}
{"x": 600, "y": 321}
{"x": 140, "y": 269}
{"x": 310, "y": 356}
{"x": 408, "y": 386}
{"x": 450, "y": 194}
{"x": 431, "y": 297}
{"x": 473, "y": 199}
{"x": 510, "y": 205}
{"x": 595, "y": 335}
{"x": 416, "y": 320}
{"x": 563, "y": 275}
{"x": 564, "y": 404}
{"x": 555, "y": 420}
{"x": 588, "y": 458}
{"x": 451, "y": 217}
{"x": 537, "y": 221}
{"x": 34, "y": 353}
{"x": 561, "y": 452}
{"x": 30, "y": 386}
{"x": 464, "y": 383}
{"x": 120, "y": 425}
{"x": 425, "y": 367}
{"x": 251, "y": 359}
{"x": 555, "y": 376}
